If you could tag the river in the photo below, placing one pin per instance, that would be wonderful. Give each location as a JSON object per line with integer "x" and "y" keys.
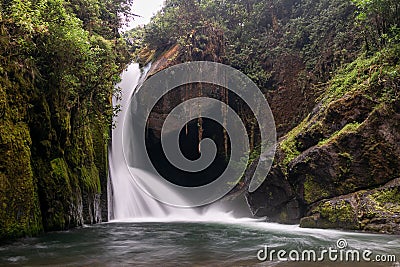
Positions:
{"x": 201, "y": 243}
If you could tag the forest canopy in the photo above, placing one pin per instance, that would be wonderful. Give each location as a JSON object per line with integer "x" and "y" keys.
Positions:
{"x": 70, "y": 48}
{"x": 323, "y": 34}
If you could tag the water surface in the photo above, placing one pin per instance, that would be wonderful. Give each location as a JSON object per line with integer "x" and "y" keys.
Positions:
{"x": 232, "y": 243}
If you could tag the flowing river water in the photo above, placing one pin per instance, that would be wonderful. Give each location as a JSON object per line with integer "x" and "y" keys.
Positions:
{"x": 227, "y": 242}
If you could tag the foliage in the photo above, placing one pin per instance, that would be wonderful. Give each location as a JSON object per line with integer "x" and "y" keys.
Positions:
{"x": 380, "y": 21}
{"x": 262, "y": 37}
{"x": 60, "y": 60}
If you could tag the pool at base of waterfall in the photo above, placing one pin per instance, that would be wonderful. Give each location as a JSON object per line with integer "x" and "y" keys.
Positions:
{"x": 243, "y": 242}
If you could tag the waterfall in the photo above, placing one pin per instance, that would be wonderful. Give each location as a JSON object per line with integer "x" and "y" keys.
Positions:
{"x": 126, "y": 200}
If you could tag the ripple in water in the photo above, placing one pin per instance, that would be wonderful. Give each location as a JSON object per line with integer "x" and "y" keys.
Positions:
{"x": 185, "y": 244}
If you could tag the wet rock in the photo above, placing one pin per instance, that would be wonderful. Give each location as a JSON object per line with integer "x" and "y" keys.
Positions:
{"x": 375, "y": 210}
{"x": 277, "y": 199}
{"x": 350, "y": 142}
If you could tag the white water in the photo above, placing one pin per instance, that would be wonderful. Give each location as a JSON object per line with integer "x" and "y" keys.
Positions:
{"x": 127, "y": 202}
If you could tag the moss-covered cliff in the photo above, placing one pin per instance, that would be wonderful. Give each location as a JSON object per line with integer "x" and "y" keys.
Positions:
{"x": 348, "y": 144}
{"x": 20, "y": 212}
{"x": 59, "y": 61}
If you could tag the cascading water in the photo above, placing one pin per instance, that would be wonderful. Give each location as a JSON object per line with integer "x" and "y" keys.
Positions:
{"x": 126, "y": 200}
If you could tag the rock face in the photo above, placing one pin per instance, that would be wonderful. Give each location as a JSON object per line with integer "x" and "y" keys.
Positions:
{"x": 275, "y": 199}
{"x": 336, "y": 168}
{"x": 204, "y": 44}
{"x": 332, "y": 166}
{"x": 375, "y": 210}
{"x": 53, "y": 162}
{"x": 210, "y": 40}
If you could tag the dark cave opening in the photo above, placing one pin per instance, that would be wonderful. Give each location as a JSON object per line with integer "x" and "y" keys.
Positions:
{"x": 189, "y": 143}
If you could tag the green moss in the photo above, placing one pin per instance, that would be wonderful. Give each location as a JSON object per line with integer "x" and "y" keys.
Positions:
{"x": 60, "y": 171}
{"x": 100, "y": 147}
{"x": 289, "y": 146}
{"x": 90, "y": 178}
{"x": 84, "y": 157}
{"x": 20, "y": 213}
{"x": 61, "y": 186}
{"x": 313, "y": 191}
{"x": 341, "y": 212}
{"x": 348, "y": 128}
{"x": 387, "y": 200}
{"x": 391, "y": 195}
{"x": 332, "y": 214}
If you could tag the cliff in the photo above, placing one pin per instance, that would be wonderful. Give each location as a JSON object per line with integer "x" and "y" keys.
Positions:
{"x": 333, "y": 87}
{"x": 59, "y": 64}
{"x": 339, "y": 167}
{"x": 53, "y": 171}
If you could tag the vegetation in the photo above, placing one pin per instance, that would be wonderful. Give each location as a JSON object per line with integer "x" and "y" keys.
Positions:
{"x": 263, "y": 38}
{"x": 339, "y": 212}
{"x": 351, "y": 127}
{"x": 379, "y": 21}
{"x": 262, "y": 35}
{"x": 60, "y": 60}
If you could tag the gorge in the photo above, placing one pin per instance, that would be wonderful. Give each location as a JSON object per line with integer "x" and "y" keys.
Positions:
{"x": 68, "y": 160}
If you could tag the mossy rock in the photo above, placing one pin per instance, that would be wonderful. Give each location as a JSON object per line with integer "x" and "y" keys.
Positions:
{"x": 375, "y": 210}
{"x": 57, "y": 191}
{"x": 332, "y": 214}
{"x": 19, "y": 205}
{"x": 90, "y": 178}
{"x": 314, "y": 190}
